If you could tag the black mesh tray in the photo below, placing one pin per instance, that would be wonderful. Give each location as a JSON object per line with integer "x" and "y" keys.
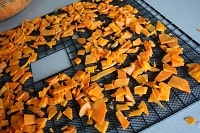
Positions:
{"x": 178, "y": 100}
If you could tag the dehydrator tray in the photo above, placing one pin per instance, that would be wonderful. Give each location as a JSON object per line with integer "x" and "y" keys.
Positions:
{"x": 178, "y": 100}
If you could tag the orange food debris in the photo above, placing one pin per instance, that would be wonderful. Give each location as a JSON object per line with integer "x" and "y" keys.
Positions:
{"x": 81, "y": 40}
{"x": 77, "y": 60}
{"x": 194, "y": 71}
{"x": 190, "y": 120}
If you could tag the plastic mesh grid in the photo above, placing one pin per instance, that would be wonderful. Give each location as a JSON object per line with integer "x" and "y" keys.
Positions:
{"x": 178, "y": 100}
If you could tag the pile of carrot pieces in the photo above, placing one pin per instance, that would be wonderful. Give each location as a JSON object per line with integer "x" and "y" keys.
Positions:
{"x": 108, "y": 46}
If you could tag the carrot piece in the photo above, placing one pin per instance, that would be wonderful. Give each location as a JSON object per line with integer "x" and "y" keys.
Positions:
{"x": 126, "y": 35}
{"x": 137, "y": 42}
{"x": 177, "y": 61}
{"x": 174, "y": 43}
{"x": 123, "y": 120}
{"x": 102, "y": 128}
{"x": 23, "y": 96}
{"x": 19, "y": 105}
{"x": 165, "y": 38}
{"x": 138, "y": 28}
{"x": 81, "y": 52}
{"x": 48, "y": 32}
{"x": 163, "y": 75}
{"x": 43, "y": 102}
{"x": 114, "y": 27}
{"x": 61, "y": 89}
{"x": 168, "y": 68}
{"x": 129, "y": 95}
{"x": 121, "y": 82}
{"x": 166, "y": 58}
{"x": 70, "y": 129}
{"x": 99, "y": 111}
{"x": 81, "y": 40}
{"x": 119, "y": 92}
{"x": 77, "y": 60}
{"x": 52, "y": 111}
{"x": 18, "y": 74}
{"x": 122, "y": 107}
{"x": 103, "y": 73}
{"x": 29, "y": 119}
{"x": 145, "y": 32}
{"x": 89, "y": 59}
{"x": 36, "y": 110}
{"x": 121, "y": 74}
{"x": 68, "y": 113}
{"x": 142, "y": 79}
{"x": 4, "y": 123}
{"x": 193, "y": 70}
{"x": 25, "y": 77}
{"x": 52, "y": 80}
{"x": 160, "y": 27}
{"x": 84, "y": 106}
{"x": 137, "y": 112}
{"x": 33, "y": 57}
{"x": 121, "y": 58}
{"x": 109, "y": 86}
{"x": 3, "y": 65}
{"x": 79, "y": 75}
{"x": 190, "y": 120}
{"x": 180, "y": 83}
{"x": 63, "y": 76}
{"x": 129, "y": 70}
{"x": 41, "y": 122}
{"x": 1, "y": 104}
{"x": 140, "y": 90}
{"x": 13, "y": 85}
{"x": 175, "y": 51}
{"x": 102, "y": 42}
{"x": 96, "y": 91}
{"x": 164, "y": 91}
{"x": 90, "y": 69}
{"x": 143, "y": 107}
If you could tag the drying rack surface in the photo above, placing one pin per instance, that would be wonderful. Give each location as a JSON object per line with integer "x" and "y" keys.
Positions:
{"x": 178, "y": 100}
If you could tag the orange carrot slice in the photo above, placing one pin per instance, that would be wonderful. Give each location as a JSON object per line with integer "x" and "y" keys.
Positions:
{"x": 68, "y": 113}
{"x": 168, "y": 68}
{"x": 140, "y": 90}
{"x": 81, "y": 40}
{"x": 99, "y": 112}
{"x": 163, "y": 75}
{"x": 29, "y": 119}
{"x": 194, "y": 71}
{"x": 123, "y": 120}
{"x": 103, "y": 73}
{"x": 102, "y": 128}
{"x": 180, "y": 83}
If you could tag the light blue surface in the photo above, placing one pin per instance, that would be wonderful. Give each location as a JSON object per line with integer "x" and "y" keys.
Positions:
{"x": 176, "y": 123}
{"x": 183, "y": 13}
{"x": 50, "y": 65}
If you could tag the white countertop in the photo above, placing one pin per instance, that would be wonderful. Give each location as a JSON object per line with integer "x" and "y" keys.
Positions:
{"x": 183, "y": 13}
